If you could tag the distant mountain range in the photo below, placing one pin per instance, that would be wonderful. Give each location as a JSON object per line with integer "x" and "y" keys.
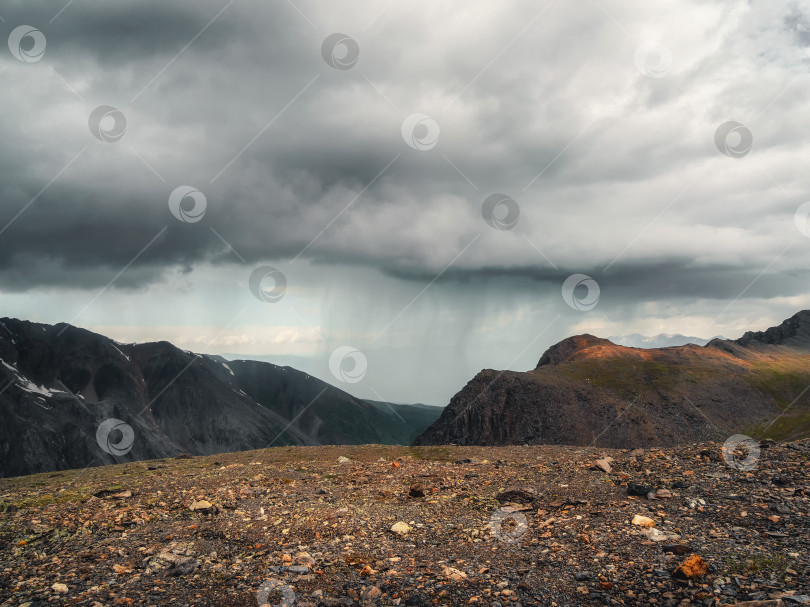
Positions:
{"x": 70, "y": 398}
{"x": 662, "y": 340}
{"x": 590, "y": 391}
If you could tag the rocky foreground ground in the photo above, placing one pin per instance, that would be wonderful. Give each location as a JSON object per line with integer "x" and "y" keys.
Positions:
{"x": 376, "y": 525}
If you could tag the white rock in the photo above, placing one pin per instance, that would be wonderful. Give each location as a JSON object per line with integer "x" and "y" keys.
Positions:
{"x": 657, "y": 535}
{"x": 401, "y": 528}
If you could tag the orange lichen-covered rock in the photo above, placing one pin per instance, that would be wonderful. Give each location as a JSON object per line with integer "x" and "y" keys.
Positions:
{"x": 693, "y": 567}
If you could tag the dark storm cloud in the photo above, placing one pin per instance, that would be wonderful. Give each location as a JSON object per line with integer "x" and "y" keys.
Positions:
{"x": 285, "y": 148}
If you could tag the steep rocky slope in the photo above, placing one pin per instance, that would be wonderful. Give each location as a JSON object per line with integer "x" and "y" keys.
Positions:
{"x": 59, "y": 385}
{"x": 586, "y": 390}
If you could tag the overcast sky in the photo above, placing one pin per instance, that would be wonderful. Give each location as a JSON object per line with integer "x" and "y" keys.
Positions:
{"x": 421, "y": 178}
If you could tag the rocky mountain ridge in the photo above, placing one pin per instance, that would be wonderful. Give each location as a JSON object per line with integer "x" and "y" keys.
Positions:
{"x": 59, "y": 386}
{"x": 587, "y": 390}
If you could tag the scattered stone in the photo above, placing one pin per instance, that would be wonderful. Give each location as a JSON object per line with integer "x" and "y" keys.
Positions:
{"x": 401, "y": 528}
{"x": 518, "y": 495}
{"x": 639, "y": 489}
{"x": 298, "y": 569}
{"x": 656, "y": 535}
{"x": 416, "y": 490}
{"x": 203, "y": 506}
{"x": 60, "y": 588}
{"x": 170, "y": 564}
{"x": 693, "y": 567}
{"x": 663, "y": 493}
{"x": 643, "y": 521}
{"x": 343, "y": 460}
{"x": 305, "y": 559}
{"x": 679, "y": 549}
{"x": 456, "y": 575}
{"x": 603, "y": 465}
